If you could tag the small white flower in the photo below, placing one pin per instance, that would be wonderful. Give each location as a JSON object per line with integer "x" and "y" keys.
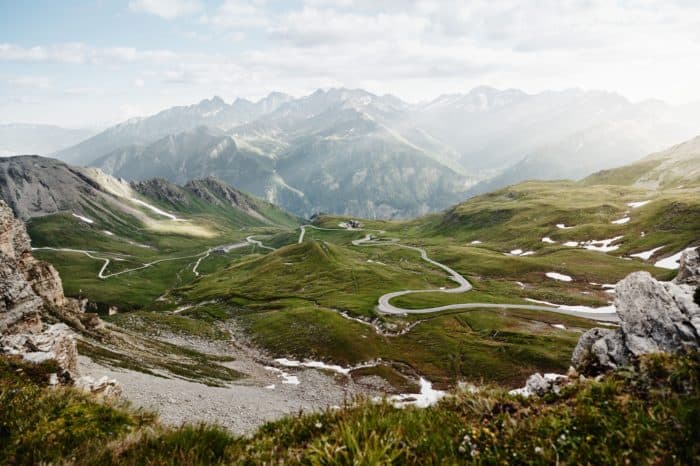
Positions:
{"x": 318, "y": 425}
{"x": 538, "y": 450}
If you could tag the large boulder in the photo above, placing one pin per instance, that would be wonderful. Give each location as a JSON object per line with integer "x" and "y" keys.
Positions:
{"x": 654, "y": 317}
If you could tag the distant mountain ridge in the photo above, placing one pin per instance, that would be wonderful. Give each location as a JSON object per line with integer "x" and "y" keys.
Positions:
{"x": 351, "y": 152}
{"x": 36, "y": 186}
{"x": 22, "y": 138}
{"x": 676, "y": 167}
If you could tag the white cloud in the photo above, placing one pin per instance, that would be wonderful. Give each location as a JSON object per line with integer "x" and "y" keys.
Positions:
{"x": 312, "y": 26}
{"x": 239, "y": 14}
{"x": 138, "y": 82}
{"x": 79, "y": 53}
{"x": 166, "y": 9}
{"x": 416, "y": 49}
{"x": 36, "y": 82}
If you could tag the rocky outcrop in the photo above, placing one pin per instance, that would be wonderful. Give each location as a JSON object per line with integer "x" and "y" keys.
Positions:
{"x": 689, "y": 270}
{"x": 104, "y": 387}
{"x": 30, "y": 289}
{"x": 162, "y": 190}
{"x": 654, "y": 317}
{"x": 538, "y": 384}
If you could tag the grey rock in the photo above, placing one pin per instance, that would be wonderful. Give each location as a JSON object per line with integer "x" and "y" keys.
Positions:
{"x": 539, "y": 385}
{"x": 28, "y": 289}
{"x": 654, "y": 317}
{"x": 689, "y": 270}
{"x": 103, "y": 387}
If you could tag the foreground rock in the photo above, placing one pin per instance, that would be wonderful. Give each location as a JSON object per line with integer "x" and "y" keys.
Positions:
{"x": 654, "y": 317}
{"x": 31, "y": 290}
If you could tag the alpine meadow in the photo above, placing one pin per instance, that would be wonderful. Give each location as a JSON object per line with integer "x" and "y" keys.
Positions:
{"x": 255, "y": 232}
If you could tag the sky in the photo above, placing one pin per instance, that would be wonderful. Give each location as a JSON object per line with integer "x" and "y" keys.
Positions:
{"x": 91, "y": 63}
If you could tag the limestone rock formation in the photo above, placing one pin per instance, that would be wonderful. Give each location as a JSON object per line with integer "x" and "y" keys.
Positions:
{"x": 654, "y": 317}
{"x": 29, "y": 289}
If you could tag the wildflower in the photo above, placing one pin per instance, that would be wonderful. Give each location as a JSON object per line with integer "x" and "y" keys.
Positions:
{"x": 538, "y": 450}
{"x": 318, "y": 425}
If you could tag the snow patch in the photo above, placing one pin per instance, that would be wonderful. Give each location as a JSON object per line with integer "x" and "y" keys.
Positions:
{"x": 571, "y": 244}
{"x": 559, "y": 276}
{"x": 561, "y": 226}
{"x": 475, "y": 242}
{"x": 621, "y": 221}
{"x": 520, "y": 252}
{"x": 559, "y": 326}
{"x": 84, "y": 219}
{"x": 155, "y": 209}
{"x": 565, "y": 307}
{"x": 428, "y": 396}
{"x": 603, "y": 245}
{"x": 287, "y": 378}
{"x": 108, "y": 233}
{"x": 672, "y": 262}
{"x": 548, "y": 240}
{"x": 637, "y": 204}
{"x": 646, "y": 255}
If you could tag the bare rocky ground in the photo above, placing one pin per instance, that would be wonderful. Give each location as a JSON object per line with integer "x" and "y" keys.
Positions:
{"x": 242, "y": 406}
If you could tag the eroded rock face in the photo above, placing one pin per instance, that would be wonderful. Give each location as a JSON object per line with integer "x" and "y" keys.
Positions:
{"x": 28, "y": 289}
{"x": 654, "y": 317}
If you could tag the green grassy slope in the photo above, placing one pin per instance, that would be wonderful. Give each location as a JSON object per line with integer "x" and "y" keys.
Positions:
{"x": 129, "y": 243}
{"x": 643, "y": 415}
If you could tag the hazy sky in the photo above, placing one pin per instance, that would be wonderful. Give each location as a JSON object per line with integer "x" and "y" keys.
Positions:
{"x": 95, "y": 62}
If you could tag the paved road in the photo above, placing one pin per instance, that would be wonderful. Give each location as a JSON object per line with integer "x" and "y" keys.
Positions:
{"x": 200, "y": 257}
{"x": 384, "y": 305}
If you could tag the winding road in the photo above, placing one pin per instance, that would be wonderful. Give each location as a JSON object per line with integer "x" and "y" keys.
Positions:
{"x": 384, "y": 305}
{"x": 200, "y": 257}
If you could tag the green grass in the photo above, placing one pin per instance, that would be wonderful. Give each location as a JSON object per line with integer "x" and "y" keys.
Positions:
{"x": 500, "y": 346}
{"x": 320, "y": 273}
{"x": 288, "y": 301}
{"x": 137, "y": 289}
{"x": 638, "y": 415}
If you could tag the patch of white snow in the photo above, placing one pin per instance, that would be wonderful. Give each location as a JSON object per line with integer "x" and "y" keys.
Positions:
{"x": 84, "y": 219}
{"x": 559, "y": 276}
{"x": 646, "y": 255}
{"x": 672, "y": 262}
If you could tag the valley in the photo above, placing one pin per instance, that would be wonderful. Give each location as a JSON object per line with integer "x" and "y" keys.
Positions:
{"x": 274, "y": 311}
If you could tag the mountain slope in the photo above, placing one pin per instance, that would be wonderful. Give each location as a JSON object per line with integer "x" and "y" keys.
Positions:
{"x": 18, "y": 138}
{"x": 674, "y": 167}
{"x": 325, "y": 153}
{"x": 211, "y": 112}
{"x": 36, "y": 186}
{"x": 351, "y": 152}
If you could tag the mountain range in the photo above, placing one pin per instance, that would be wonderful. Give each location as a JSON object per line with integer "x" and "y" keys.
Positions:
{"x": 354, "y": 153}
{"x": 22, "y": 138}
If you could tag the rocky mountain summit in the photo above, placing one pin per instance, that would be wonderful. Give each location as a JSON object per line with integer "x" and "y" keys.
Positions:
{"x": 31, "y": 296}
